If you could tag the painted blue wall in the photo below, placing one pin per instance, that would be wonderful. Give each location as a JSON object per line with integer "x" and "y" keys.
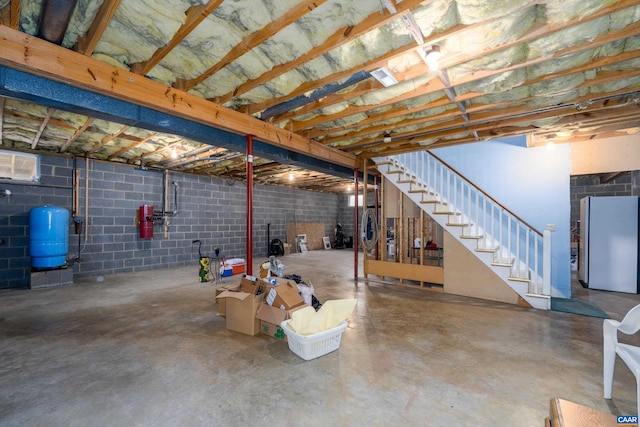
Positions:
{"x": 534, "y": 183}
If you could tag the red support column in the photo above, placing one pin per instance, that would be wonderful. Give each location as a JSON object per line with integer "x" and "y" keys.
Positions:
{"x": 249, "y": 261}
{"x": 356, "y": 235}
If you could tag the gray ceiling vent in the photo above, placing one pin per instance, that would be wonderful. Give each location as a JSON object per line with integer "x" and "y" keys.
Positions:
{"x": 384, "y": 76}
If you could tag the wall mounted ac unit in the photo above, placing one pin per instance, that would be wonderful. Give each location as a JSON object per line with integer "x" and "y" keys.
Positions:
{"x": 19, "y": 166}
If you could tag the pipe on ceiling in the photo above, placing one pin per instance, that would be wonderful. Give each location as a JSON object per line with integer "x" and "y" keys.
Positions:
{"x": 317, "y": 94}
{"x": 55, "y": 18}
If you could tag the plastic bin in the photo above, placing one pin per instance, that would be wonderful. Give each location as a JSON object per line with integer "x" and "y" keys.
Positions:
{"x": 236, "y": 265}
{"x": 311, "y": 346}
{"x": 237, "y": 269}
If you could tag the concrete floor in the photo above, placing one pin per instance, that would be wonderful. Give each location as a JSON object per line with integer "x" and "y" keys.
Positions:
{"x": 147, "y": 349}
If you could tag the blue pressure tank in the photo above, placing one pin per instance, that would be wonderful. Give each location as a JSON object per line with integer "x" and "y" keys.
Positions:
{"x": 48, "y": 236}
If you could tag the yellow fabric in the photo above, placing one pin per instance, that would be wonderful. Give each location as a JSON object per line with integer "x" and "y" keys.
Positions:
{"x": 307, "y": 321}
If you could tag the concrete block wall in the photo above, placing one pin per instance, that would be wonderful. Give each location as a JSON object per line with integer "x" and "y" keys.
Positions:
{"x": 54, "y": 189}
{"x": 346, "y": 216}
{"x": 274, "y": 207}
{"x": 209, "y": 209}
{"x": 582, "y": 186}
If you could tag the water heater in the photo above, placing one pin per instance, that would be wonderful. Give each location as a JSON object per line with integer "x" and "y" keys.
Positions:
{"x": 146, "y": 221}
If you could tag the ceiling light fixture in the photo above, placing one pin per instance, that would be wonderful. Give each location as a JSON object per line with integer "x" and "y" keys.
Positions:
{"x": 431, "y": 55}
{"x": 387, "y": 137}
{"x": 290, "y": 176}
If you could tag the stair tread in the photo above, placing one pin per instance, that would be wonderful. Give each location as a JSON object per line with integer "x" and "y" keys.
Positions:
{"x": 529, "y": 294}
{"x": 519, "y": 279}
{"x": 471, "y": 236}
{"x": 501, "y": 264}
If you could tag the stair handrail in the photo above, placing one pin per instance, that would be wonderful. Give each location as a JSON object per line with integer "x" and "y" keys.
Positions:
{"x": 487, "y": 195}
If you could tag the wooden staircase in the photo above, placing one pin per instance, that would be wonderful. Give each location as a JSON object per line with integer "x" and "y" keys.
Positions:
{"x": 504, "y": 243}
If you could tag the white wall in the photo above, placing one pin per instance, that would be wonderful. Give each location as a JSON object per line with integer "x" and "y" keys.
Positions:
{"x": 531, "y": 182}
{"x": 606, "y": 155}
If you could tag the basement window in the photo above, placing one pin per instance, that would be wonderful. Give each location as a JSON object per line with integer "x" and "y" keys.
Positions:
{"x": 352, "y": 200}
{"x": 19, "y": 166}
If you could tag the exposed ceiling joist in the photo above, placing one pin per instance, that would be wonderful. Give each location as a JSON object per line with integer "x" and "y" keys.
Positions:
{"x": 44, "y": 124}
{"x": 87, "y": 73}
{"x": 195, "y": 15}
{"x": 88, "y": 42}
{"x": 75, "y": 136}
{"x": 253, "y": 40}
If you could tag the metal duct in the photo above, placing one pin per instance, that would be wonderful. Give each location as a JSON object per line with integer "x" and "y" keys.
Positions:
{"x": 55, "y": 18}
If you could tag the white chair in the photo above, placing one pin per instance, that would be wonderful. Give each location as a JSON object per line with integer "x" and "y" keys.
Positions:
{"x": 628, "y": 353}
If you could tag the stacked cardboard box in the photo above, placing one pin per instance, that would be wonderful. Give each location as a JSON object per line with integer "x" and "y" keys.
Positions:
{"x": 271, "y": 318}
{"x": 240, "y": 310}
{"x": 222, "y": 302}
{"x": 280, "y": 301}
{"x": 255, "y": 305}
{"x": 284, "y": 295}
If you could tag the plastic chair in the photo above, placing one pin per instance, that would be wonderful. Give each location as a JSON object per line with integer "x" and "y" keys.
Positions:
{"x": 628, "y": 353}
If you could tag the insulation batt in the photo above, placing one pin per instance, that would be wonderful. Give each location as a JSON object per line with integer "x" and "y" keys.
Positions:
{"x": 83, "y": 16}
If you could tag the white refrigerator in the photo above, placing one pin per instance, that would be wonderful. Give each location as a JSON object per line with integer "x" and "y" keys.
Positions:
{"x": 608, "y": 256}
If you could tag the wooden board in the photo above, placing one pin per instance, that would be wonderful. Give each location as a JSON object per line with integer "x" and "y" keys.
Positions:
{"x": 568, "y": 414}
{"x": 315, "y": 231}
{"x": 418, "y": 273}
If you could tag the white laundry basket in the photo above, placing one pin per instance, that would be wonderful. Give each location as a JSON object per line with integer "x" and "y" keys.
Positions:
{"x": 311, "y": 346}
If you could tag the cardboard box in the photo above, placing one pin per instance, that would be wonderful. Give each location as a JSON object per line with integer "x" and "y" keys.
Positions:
{"x": 284, "y": 295}
{"x": 222, "y": 302}
{"x": 241, "y": 309}
{"x": 252, "y": 285}
{"x": 271, "y": 317}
